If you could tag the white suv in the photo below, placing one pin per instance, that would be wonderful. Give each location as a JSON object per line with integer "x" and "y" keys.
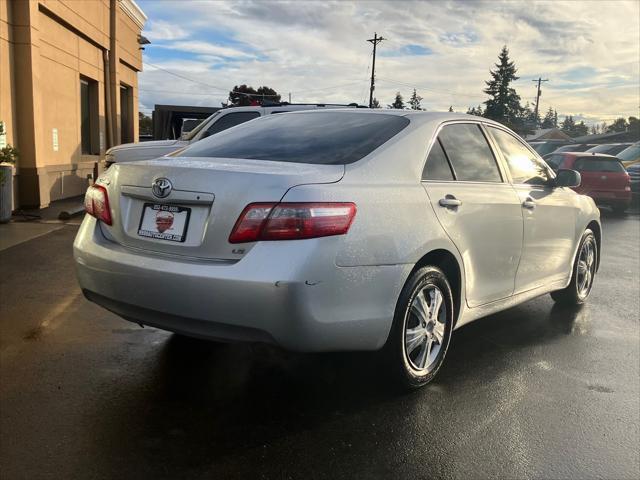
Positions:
{"x": 219, "y": 121}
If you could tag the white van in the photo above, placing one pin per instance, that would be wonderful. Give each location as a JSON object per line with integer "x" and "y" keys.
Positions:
{"x": 219, "y": 121}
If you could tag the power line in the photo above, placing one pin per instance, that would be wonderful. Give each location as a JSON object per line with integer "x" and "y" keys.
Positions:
{"x": 419, "y": 87}
{"x": 375, "y": 41}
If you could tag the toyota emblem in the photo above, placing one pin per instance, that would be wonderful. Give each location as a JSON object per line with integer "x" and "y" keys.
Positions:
{"x": 161, "y": 187}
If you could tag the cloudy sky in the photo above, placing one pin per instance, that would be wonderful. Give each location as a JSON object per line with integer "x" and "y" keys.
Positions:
{"x": 317, "y": 51}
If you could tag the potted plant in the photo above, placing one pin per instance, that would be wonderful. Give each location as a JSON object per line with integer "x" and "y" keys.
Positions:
{"x": 8, "y": 157}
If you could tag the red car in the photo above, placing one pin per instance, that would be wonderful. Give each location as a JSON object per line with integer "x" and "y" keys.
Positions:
{"x": 603, "y": 177}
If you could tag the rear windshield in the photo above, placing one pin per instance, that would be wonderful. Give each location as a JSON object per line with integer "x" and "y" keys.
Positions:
{"x": 629, "y": 154}
{"x": 598, "y": 165}
{"x": 330, "y": 138}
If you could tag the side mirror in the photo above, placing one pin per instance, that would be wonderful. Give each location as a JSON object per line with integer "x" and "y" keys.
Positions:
{"x": 568, "y": 178}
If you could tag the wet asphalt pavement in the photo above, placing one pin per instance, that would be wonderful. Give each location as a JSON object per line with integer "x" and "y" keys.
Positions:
{"x": 533, "y": 392}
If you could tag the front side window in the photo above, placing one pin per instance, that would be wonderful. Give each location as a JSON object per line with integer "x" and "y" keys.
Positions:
{"x": 437, "y": 166}
{"x": 469, "y": 153}
{"x": 329, "y": 138}
{"x": 524, "y": 166}
{"x": 228, "y": 121}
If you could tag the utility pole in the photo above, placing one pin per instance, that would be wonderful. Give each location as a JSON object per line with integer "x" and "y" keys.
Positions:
{"x": 289, "y": 97}
{"x": 539, "y": 80}
{"x": 375, "y": 41}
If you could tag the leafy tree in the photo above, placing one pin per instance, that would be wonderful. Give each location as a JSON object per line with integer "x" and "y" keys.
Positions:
{"x": 244, "y": 96}
{"x": 504, "y": 103}
{"x": 528, "y": 121}
{"x": 375, "y": 103}
{"x": 619, "y": 125}
{"x": 398, "y": 102}
{"x": 634, "y": 127}
{"x": 549, "y": 119}
{"x": 145, "y": 124}
{"x": 414, "y": 101}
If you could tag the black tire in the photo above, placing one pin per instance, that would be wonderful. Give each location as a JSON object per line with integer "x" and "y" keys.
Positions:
{"x": 401, "y": 365}
{"x": 572, "y": 294}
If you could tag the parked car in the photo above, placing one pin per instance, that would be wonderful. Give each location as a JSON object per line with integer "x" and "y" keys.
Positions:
{"x": 548, "y": 146}
{"x": 634, "y": 179}
{"x": 609, "y": 148}
{"x": 630, "y": 155}
{"x": 603, "y": 177}
{"x": 575, "y": 147}
{"x": 338, "y": 230}
{"x": 216, "y": 123}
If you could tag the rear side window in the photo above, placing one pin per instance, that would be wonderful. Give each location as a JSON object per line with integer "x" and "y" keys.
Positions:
{"x": 524, "y": 166}
{"x": 330, "y": 138}
{"x": 595, "y": 164}
{"x": 437, "y": 166}
{"x": 469, "y": 153}
{"x": 230, "y": 120}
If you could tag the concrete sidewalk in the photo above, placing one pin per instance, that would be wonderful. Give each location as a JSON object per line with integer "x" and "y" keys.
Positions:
{"x": 27, "y": 224}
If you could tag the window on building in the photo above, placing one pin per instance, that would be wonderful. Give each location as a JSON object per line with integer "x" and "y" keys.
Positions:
{"x": 89, "y": 120}
{"x": 469, "y": 153}
{"x": 126, "y": 113}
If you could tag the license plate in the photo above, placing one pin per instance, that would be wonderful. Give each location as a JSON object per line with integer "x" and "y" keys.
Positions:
{"x": 164, "y": 222}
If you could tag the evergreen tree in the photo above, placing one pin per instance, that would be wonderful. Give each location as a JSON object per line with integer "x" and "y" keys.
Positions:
{"x": 398, "y": 102}
{"x": 568, "y": 125}
{"x": 375, "y": 103}
{"x": 477, "y": 111}
{"x": 504, "y": 103}
{"x": 549, "y": 119}
{"x": 580, "y": 129}
{"x": 634, "y": 127}
{"x": 414, "y": 101}
{"x": 451, "y": 108}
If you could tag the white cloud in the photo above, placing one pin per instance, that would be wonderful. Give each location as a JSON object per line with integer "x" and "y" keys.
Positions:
{"x": 304, "y": 47}
{"x": 160, "y": 30}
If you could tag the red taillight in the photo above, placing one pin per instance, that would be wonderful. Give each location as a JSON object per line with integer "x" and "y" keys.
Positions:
{"x": 96, "y": 203}
{"x": 292, "y": 221}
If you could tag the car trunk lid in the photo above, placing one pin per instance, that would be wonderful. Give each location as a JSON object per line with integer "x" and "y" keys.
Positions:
{"x": 206, "y": 198}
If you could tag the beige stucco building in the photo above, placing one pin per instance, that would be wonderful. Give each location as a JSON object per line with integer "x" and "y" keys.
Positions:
{"x": 68, "y": 89}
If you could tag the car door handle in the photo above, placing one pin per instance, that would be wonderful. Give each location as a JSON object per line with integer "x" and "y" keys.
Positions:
{"x": 449, "y": 201}
{"x": 529, "y": 203}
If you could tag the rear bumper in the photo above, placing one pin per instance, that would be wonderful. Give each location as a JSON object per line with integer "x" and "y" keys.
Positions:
{"x": 288, "y": 293}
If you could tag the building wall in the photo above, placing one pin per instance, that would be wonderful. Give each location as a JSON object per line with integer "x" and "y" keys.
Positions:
{"x": 49, "y": 46}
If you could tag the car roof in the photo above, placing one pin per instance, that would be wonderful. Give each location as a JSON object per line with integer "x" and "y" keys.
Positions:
{"x": 415, "y": 116}
{"x": 590, "y": 155}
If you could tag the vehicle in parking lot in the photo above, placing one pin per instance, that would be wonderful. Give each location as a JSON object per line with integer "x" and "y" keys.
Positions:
{"x": 339, "y": 230}
{"x": 216, "y": 123}
{"x": 609, "y": 148}
{"x": 630, "y": 155}
{"x": 547, "y": 146}
{"x": 575, "y": 147}
{"x": 634, "y": 178}
{"x": 603, "y": 177}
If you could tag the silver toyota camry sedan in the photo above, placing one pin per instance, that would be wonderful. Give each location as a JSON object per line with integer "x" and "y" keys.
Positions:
{"x": 338, "y": 230}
